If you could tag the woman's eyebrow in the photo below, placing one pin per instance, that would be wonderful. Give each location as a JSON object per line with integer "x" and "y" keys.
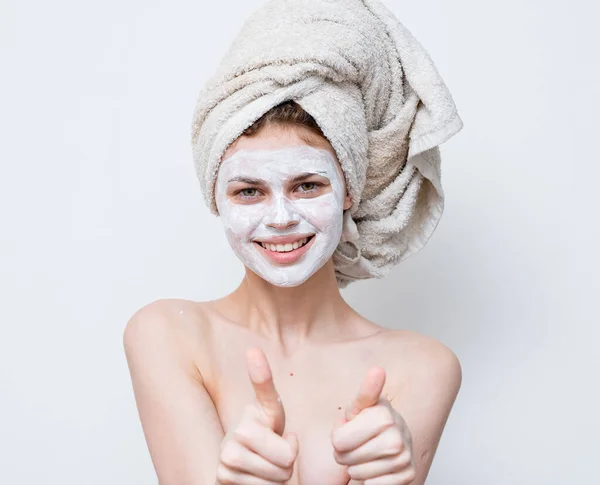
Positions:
{"x": 246, "y": 180}
{"x": 296, "y": 178}
{"x": 305, "y": 175}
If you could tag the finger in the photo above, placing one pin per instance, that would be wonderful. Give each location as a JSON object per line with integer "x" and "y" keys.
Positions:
{"x": 227, "y": 476}
{"x": 379, "y": 467}
{"x": 264, "y": 388}
{"x": 386, "y": 444}
{"x": 267, "y": 444}
{"x": 368, "y": 394}
{"x": 368, "y": 424}
{"x": 239, "y": 458}
{"x": 404, "y": 477}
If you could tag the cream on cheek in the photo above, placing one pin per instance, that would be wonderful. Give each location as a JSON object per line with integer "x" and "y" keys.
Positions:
{"x": 320, "y": 211}
{"x": 241, "y": 220}
{"x": 279, "y": 213}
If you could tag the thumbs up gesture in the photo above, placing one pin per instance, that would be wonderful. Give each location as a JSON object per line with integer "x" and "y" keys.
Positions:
{"x": 372, "y": 439}
{"x": 256, "y": 451}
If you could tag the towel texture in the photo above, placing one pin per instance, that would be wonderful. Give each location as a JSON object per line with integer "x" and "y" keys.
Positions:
{"x": 377, "y": 97}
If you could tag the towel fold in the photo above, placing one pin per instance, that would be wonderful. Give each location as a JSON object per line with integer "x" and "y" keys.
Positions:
{"x": 377, "y": 97}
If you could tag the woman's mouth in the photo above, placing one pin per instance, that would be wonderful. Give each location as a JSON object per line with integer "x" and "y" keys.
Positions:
{"x": 285, "y": 253}
{"x": 285, "y": 248}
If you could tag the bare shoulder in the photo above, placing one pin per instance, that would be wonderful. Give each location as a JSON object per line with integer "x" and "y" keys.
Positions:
{"x": 180, "y": 324}
{"x": 176, "y": 316}
{"x": 422, "y": 349}
{"x": 427, "y": 362}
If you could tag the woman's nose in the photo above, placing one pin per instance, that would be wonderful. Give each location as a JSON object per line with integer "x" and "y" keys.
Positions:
{"x": 281, "y": 215}
{"x": 282, "y": 225}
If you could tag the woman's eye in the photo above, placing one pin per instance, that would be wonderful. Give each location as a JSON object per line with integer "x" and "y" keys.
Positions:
{"x": 309, "y": 186}
{"x": 248, "y": 192}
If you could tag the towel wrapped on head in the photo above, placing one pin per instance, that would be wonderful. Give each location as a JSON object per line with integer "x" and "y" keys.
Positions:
{"x": 376, "y": 95}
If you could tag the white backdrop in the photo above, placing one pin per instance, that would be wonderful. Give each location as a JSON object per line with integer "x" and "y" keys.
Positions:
{"x": 101, "y": 213}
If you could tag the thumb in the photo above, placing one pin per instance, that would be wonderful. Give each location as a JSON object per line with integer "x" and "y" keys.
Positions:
{"x": 264, "y": 389}
{"x": 368, "y": 394}
{"x": 292, "y": 439}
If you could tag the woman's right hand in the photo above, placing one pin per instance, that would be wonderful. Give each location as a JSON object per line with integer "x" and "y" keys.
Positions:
{"x": 255, "y": 452}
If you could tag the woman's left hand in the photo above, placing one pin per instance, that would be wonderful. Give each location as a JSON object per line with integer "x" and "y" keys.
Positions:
{"x": 372, "y": 439}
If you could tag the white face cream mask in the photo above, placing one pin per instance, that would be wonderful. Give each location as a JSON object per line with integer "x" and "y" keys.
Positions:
{"x": 281, "y": 222}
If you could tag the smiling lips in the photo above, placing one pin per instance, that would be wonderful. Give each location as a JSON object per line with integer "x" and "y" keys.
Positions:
{"x": 285, "y": 250}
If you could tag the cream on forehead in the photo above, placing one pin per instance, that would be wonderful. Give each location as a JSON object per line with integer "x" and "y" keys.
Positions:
{"x": 303, "y": 152}
{"x": 277, "y": 161}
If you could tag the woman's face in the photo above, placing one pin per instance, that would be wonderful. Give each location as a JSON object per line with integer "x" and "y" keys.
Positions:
{"x": 281, "y": 203}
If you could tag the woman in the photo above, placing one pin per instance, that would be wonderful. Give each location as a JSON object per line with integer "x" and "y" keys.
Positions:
{"x": 281, "y": 381}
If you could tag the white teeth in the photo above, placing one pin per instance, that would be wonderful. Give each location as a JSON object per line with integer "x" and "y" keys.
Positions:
{"x": 284, "y": 248}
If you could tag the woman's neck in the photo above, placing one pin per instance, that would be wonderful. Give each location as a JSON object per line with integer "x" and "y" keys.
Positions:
{"x": 290, "y": 316}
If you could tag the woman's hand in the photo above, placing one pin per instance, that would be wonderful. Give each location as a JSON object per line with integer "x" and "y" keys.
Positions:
{"x": 373, "y": 440}
{"x": 254, "y": 452}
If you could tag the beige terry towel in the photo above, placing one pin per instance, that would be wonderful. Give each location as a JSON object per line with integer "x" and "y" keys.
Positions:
{"x": 375, "y": 93}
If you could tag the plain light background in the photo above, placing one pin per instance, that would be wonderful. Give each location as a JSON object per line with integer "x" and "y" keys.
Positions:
{"x": 101, "y": 214}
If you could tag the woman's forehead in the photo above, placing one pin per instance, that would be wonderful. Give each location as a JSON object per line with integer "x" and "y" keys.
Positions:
{"x": 282, "y": 161}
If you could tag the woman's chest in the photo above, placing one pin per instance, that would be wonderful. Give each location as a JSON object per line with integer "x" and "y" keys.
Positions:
{"x": 316, "y": 384}
{"x": 314, "y": 393}
{"x": 314, "y": 387}
{"x": 311, "y": 411}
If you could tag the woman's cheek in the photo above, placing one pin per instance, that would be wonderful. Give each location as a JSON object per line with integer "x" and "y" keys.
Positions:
{"x": 240, "y": 222}
{"x": 321, "y": 212}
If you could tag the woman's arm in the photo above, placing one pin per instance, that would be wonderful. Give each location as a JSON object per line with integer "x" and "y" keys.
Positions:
{"x": 426, "y": 401}
{"x": 179, "y": 420}
{"x": 393, "y": 441}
